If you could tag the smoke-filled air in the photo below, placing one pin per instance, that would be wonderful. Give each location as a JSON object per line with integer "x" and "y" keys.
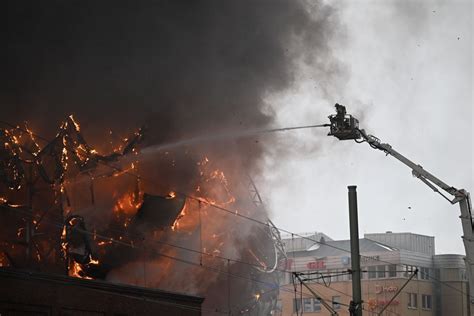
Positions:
{"x": 131, "y": 132}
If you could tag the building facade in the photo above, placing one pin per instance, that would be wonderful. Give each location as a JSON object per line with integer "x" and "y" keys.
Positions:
{"x": 388, "y": 260}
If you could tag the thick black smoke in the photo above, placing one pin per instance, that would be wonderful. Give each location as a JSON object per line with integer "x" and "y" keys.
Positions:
{"x": 180, "y": 67}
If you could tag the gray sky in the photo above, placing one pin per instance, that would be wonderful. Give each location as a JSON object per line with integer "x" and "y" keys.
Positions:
{"x": 406, "y": 72}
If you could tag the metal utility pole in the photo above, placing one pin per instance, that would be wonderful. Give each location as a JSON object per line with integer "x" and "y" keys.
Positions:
{"x": 355, "y": 308}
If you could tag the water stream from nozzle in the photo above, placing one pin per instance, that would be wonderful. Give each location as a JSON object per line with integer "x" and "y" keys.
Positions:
{"x": 147, "y": 151}
{"x": 222, "y": 137}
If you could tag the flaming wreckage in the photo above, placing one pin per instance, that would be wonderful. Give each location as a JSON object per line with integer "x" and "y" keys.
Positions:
{"x": 65, "y": 208}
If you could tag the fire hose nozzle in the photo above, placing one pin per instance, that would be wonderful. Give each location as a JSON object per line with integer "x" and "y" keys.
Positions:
{"x": 343, "y": 126}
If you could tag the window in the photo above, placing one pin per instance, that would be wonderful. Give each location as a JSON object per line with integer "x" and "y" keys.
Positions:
{"x": 426, "y": 301}
{"x": 309, "y": 305}
{"x": 408, "y": 271}
{"x": 392, "y": 271}
{"x": 372, "y": 272}
{"x": 316, "y": 305}
{"x": 345, "y": 276}
{"x": 405, "y": 271}
{"x": 381, "y": 272}
{"x": 424, "y": 273}
{"x": 336, "y": 302}
{"x": 412, "y": 300}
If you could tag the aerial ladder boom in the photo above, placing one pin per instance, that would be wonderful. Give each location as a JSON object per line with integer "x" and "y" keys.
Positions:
{"x": 346, "y": 127}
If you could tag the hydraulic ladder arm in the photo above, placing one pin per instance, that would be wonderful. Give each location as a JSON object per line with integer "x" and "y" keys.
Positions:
{"x": 344, "y": 127}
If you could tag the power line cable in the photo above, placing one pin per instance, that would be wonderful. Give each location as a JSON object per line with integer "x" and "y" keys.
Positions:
{"x": 214, "y": 269}
{"x": 236, "y": 213}
{"x": 349, "y": 296}
{"x": 279, "y": 287}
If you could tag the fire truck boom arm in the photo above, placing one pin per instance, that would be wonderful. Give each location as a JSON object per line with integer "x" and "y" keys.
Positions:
{"x": 346, "y": 127}
{"x": 460, "y": 196}
{"x": 417, "y": 170}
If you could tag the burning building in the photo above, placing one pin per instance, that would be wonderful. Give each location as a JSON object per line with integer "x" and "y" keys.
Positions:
{"x": 149, "y": 208}
{"x": 120, "y": 218}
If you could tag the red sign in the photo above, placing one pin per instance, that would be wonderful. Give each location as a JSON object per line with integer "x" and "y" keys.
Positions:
{"x": 375, "y": 303}
{"x": 316, "y": 265}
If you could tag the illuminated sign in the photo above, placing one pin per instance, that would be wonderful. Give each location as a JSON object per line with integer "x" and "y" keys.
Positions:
{"x": 316, "y": 265}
